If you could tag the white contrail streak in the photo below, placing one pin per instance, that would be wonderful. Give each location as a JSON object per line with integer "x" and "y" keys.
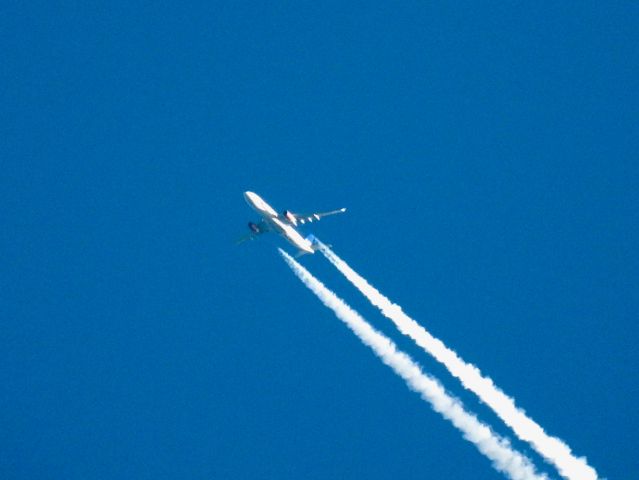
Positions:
{"x": 551, "y": 448}
{"x": 497, "y": 449}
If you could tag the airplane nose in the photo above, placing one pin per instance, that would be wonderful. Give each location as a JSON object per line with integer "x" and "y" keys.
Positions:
{"x": 249, "y": 197}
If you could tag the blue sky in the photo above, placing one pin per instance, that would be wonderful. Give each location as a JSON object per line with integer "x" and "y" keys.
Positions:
{"x": 486, "y": 154}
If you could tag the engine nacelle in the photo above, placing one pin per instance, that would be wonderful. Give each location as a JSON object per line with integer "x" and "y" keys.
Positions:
{"x": 254, "y": 228}
{"x": 290, "y": 217}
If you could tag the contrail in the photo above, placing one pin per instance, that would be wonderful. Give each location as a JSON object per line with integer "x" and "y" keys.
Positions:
{"x": 497, "y": 449}
{"x": 551, "y": 448}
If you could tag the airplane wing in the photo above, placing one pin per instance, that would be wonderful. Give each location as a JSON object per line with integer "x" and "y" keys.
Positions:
{"x": 256, "y": 229}
{"x": 312, "y": 217}
{"x": 248, "y": 236}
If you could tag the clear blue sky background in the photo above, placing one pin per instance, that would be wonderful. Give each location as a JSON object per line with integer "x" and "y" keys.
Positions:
{"x": 488, "y": 158}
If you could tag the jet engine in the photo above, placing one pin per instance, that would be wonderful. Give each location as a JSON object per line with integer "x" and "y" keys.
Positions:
{"x": 254, "y": 228}
{"x": 290, "y": 217}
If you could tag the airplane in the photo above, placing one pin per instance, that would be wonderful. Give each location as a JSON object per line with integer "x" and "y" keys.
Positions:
{"x": 283, "y": 223}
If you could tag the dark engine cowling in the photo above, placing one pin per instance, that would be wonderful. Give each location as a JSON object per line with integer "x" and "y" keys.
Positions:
{"x": 254, "y": 228}
{"x": 290, "y": 217}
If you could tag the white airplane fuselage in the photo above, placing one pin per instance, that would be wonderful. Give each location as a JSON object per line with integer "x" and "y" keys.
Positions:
{"x": 270, "y": 216}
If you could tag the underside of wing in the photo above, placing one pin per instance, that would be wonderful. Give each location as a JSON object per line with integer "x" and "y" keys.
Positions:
{"x": 312, "y": 217}
{"x": 248, "y": 236}
{"x": 256, "y": 229}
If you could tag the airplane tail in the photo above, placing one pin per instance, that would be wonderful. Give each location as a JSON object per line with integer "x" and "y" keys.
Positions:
{"x": 315, "y": 246}
{"x": 315, "y": 242}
